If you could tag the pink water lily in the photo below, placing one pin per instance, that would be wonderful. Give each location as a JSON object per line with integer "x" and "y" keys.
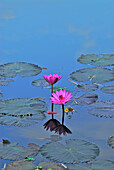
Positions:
{"x": 52, "y": 79}
{"x": 61, "y": 97}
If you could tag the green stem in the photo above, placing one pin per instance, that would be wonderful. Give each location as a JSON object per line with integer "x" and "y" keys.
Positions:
{"x": 52, "y": 103}
{"x": 63, "y": 114}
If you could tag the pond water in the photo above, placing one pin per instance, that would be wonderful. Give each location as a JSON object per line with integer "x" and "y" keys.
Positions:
{"x": 53, "y": 35}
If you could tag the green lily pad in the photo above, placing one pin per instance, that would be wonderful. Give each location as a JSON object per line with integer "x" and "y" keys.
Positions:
{"x": 77, "y": 167}
{"x": 13, "y": 152}
{"x": 21, "y": 165}
{"x": 103, "y": 60}
{"x": 51, "y": 165}
{"x": 86, "y": 98}
{"x": 96, "y": 75}
{"x": 102, "y": 165}
{"x": 71, "y": 151}
{"x": 88, "y": 59}
{"x": 111, "y": 141}
{"x": 87, "y": 87}
{"x": 108, "y": 89}
{"x": 5, "y": 82}
{"x": 102, "y": 109}
{"x": 22, "y": 112}
{"x": 40, "y": 82}
{"x": 21, "y": 68}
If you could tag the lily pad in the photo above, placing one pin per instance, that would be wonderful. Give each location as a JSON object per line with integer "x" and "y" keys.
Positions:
{"x": 108, "y": 89}
{"x": 21, "y": 68}
{"x": 102, "y": 60}
{"x": 97, "y": 75}
{"x": 13, "y": 152}
{"x": 102, "y": 109}
{"x": 50, "y": 165}
{"x": 88, "y": 59}
{"x": 86, "y": 98}
{"x": 87, "y": 87}
{"x": 1, "y": 95}
{"x": 5, "y": 82}
{"x": 22, "y": 112}
{"x": 77, "y": 167}
{"x": 71, "y": 151}
{"x": 40, "y": 82}
{"x": 102, "y": 165}
{"x": 111, "y": 141}
{"x": 21, "y": 165}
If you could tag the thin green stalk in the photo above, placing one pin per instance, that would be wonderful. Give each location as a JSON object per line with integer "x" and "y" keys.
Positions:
{"x": 52, "y": 103}
{"x": 63, "y": 114}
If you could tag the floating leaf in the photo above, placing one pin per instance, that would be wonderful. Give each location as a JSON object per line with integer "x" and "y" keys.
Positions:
{"x": 77, "y": 167}
{"x": 87, "y": 87}
{"x": 51, "y": 165}
{"x": 111, "y": 141}
{"x": 72, "y": 151}
{"x": 86, "y": 98}
{"x": 21, "y": 165}
{"x": 102, "y": 109}
{"x": 102, "y": 165}
{"x": 22, "y": 112}
{"x": 13, "y": 152}
{"x": 108, "y": 89}
{"x": 99, "y": 75}
{"x": 88, "y": 59}
{"x": 1, "y": 95}
{"x": 40, "y": 82}
{"x": 5, "y": 82}
{"x": 21, "y": 68}
{"x": 103, "y": 60}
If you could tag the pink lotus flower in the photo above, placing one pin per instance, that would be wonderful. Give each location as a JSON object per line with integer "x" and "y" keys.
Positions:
{"x": 61, "y": 97}
{"x": 52, "y": 79}
{"x": 50, "y": 112}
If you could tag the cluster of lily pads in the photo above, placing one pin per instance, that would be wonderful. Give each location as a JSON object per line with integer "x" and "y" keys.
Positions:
{"x": 72, "y": 153}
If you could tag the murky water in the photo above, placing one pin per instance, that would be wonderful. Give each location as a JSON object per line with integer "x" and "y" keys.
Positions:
{"x": 53, "y": 34}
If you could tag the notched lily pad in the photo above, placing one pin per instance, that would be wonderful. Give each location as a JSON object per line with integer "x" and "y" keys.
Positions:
{"x": 21, "y": 68}
{"x": 50, "y": 165}
{"x": 102, "y": 109}
{"x": 96, "y": 75}
{"x": 111, "y": 141}
{"x": 87, "y": 87}
{"x": 102, "y": 60}
{"x": 71, "y": 151}
{"x": 13, "y": 152}
{"x": 102, "y": 165}
{"x": 22, "y": 112}
{"x": 108, "y": 89}
{"x": 40, "y": 82}
{"x": 21, "y": 165}
{"x": 5, "y": 82}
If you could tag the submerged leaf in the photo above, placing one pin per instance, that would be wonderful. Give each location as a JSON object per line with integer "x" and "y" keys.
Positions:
{"x": 21, "y": 165}
{"x": 72, "y": 151}
{"x": 101, "y": 75}
{"x": 108, "y": 89}
{"x": 13, "y": 152}
{"x": 21, "y": 68}
{"x": 111, "y": 141}
{"x": 102, "y": 109}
